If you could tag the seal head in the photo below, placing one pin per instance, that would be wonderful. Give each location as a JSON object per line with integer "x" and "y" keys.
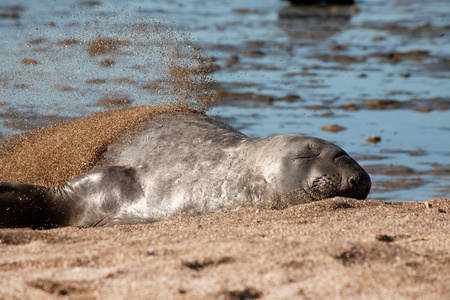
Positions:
{"x": 323, "y": 170}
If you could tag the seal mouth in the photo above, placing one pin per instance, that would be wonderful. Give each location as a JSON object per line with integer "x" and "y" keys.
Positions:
{"x": 355, "y": 185}
{"x": 324, "y": 186}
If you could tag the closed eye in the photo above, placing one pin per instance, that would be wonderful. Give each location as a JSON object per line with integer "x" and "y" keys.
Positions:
{"x": 306, "y": 155}
{"x": 310, "y": 151}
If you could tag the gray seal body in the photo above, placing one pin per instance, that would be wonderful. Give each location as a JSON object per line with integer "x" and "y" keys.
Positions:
{"x": 187, "y": 164}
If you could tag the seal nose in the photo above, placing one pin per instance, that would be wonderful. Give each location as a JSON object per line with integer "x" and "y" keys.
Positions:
{"x": 355, "y": 182}
{"x": 356, "y": 186}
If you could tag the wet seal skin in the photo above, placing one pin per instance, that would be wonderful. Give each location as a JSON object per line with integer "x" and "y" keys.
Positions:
{"x": 170, "y": 163}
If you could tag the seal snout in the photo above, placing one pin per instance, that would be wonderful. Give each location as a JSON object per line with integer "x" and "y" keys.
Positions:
{"x": 356, "y": 186}
{"x": 355, "y": 182}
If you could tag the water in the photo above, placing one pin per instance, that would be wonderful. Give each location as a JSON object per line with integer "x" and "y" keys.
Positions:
{"x": 265, "y": 50}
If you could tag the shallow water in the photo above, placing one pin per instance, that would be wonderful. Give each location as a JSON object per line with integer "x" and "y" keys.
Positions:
{"x": 281, "y": 69}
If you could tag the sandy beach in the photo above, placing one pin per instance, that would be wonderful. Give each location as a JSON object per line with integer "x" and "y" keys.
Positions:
{"x": 336, "y": 249}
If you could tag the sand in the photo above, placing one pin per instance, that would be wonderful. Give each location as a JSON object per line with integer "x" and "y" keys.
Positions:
{"x": 51, "y": 155}
{"x": 332, "y": 249}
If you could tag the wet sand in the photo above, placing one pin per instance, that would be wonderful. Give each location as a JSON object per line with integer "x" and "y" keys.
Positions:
{"x": 338, "y": 248}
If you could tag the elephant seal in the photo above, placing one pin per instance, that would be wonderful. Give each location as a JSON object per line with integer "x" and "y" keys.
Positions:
{"x": 184, "y": 163}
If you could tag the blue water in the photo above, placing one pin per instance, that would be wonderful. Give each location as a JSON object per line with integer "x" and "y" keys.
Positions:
{"x": 292, "y": 61}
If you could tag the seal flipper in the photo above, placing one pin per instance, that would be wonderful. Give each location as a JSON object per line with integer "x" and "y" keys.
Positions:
{"x": 92, "y": 199}
{"x": 25, "y": 205}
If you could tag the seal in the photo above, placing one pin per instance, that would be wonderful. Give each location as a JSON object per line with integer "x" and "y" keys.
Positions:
{"x": 186, "y": 163}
